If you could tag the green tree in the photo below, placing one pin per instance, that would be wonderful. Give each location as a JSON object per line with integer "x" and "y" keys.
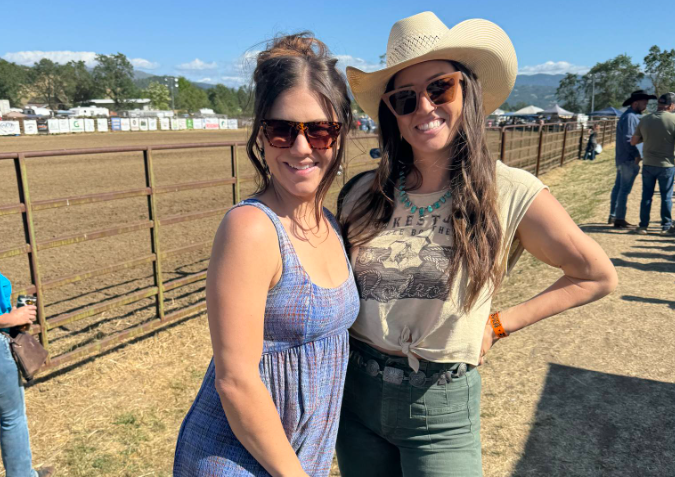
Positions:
{"x": 615, "y": 79}
{"x": 115, "y": 74}
{"x": 569, "y": 93}
{"x": 245, "y": 100}
{"x": 660, "y": 69}
{"x": 190, "y": 97}
{"x": 80, "y": 86}
{"x": 13, "y": 79}
{"x": 49, "y": 83}
{"x": 224, "y": 100}
{"x": 159, "y": 95}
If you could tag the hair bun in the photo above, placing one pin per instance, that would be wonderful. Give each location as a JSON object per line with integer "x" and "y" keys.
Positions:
{"x": 299, "y": 44}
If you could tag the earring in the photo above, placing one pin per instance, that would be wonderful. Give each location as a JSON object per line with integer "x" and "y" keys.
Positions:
{"x": 339, "y": 172}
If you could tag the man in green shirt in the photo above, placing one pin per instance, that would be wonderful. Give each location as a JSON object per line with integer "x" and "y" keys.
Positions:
{"x": 658, "y": 133}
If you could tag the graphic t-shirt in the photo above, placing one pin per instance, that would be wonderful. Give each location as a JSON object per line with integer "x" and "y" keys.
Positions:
{"x": 406, "y": 304}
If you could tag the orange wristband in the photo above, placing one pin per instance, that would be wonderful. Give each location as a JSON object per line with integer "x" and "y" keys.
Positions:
{"x": 497, "y": 325}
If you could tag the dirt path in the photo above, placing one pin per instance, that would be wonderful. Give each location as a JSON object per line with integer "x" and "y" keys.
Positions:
{"x": 588, "y": 393}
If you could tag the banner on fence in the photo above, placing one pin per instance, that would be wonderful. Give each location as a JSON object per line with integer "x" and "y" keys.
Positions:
{"x": 152, "y": 124}
{"x": 89, "y": 125}
{"x": 53, "y": 126}
{"x": 135, "y": 124}
{"x": 76, "y": 125}
{"x": 182, "y": 123}
{"x": 211, "y": 123}
{"x": 222, "y": 123}
{"x": 125, "y": 124}
{"x": 10, "y": 128}
{"x": 143, "y": 124}
{"x": 189, "y": 123}
{"x": 116, "y": 124}
{"x": 64, "y": 126}
{"x": 198, "y": 123}
{"x": 30, "y": 127}
{"x": 102, "y": 125}
{"x": 232, "y": 124}
{"x": 165, "y": 124}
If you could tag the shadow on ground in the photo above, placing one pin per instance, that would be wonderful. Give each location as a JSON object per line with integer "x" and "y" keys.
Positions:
{"x": 594, "y": 424}
{"x": 664, "y": 267}
{"x": 655, "y": 301}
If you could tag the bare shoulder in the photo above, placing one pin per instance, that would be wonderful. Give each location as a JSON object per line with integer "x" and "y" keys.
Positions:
{"x": 247, "y": 229}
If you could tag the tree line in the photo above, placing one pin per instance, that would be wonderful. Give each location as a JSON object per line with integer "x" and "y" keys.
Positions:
{"x": 612, "y": 81}
{"x": 62, "y": 86}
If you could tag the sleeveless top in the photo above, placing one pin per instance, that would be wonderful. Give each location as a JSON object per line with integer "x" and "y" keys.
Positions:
{"x": 303, "y": 366}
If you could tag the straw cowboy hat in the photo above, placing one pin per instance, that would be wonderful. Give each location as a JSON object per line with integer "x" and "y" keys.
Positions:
{"x": 479, "y": 45}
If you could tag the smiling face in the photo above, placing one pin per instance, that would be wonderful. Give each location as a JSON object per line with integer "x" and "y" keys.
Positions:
{"x": 298, "y": 170}
{"x": 431, "y": 128}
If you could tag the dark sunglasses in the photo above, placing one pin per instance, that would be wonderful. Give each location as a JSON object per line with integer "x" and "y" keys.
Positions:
{"x": 319, "y": 134}
{"x": 440, "y": 90}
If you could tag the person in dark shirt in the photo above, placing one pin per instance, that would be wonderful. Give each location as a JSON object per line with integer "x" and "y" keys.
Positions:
{"x": 627, "y": 158}
{"x": 592, "y": 144}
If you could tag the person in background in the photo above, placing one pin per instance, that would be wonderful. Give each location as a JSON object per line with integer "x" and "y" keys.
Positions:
{"x": 657, "y": 131}
{"x": 14, "y": 440}
{"x": 592, "y": 144}
{"x": 627, "y": 158}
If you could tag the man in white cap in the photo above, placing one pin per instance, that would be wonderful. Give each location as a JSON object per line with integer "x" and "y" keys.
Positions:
{"x": 657, "y": 131}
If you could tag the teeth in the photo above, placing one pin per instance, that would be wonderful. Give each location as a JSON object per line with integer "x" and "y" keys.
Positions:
{"x": 430, "y": 125}
{"x": 301, "y": 168}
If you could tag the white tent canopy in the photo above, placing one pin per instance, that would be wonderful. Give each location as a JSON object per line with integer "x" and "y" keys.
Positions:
{"x": 563, "y": 113}
{"x": 497, "y": 112}
{"x": 529, "y": 110}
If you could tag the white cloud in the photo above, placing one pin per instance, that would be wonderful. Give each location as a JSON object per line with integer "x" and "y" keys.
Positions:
{"x": 197, "y": 65}
{"x": 143, "y": 64}
{"x": 234, "y": 81}
{"x": 206, "y": 80}
{"x": 28, "y": 58}
{"x": 553, "y": 68}
{"x": 363, "y": 65}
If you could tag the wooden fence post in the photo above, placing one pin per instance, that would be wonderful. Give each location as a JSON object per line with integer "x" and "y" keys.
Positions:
{"x": 562, "y": 156}
{"x": 541, "y": 140}
{"x": 154, "y": 231}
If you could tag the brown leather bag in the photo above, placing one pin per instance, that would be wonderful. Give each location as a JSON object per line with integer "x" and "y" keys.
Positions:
{"x": 28, "y": 353}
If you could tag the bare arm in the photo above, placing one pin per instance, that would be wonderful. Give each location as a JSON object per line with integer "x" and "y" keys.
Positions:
{"x": 245, "y": 262}
{"x": 18, "y": 316}
{"x": 549, "y": 233}
{"x": 635, "y": 140}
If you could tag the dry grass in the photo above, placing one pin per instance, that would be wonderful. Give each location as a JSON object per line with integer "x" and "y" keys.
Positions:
{"x": 588, "y": 393}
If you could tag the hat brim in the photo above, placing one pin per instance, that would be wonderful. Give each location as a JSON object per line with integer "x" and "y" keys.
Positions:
{"x": 638, "y": 98}
{"x": 479, "y": 45}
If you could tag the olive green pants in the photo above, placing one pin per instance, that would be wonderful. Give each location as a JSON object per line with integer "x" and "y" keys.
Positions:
{"x": 395, "y": 422}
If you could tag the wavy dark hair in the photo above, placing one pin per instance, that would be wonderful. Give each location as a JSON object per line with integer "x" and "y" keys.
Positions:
{"x": 476, "y": 230}
{"x": 288, "y": 62}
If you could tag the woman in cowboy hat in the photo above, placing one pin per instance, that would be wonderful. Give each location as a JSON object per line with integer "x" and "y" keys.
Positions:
{"x": 431, "y": 234}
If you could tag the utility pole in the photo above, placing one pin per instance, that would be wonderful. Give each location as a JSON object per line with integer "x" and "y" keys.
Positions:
{"x": 171, "y": 82}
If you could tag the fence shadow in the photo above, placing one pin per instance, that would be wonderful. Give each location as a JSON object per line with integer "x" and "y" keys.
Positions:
{"x": 600, "y": 228}
{"x": 663, "y": 267}
{"x": 595, "y": 424}
{"x": 656, "y": 301}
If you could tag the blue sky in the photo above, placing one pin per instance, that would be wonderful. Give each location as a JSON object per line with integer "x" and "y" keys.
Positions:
{"x": 207, "y": 40}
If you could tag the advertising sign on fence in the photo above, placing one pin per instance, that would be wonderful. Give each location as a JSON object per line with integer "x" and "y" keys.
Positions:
{"x": 10, "y": 128}
{"x": 76, "y": 125}
{"x": 126, "y": 124}
{"x": 30, "y": 127}
{"x": 102, "y": 125}
{"x": 211, "y": 123}
{"x": 143, "y": 124}
{"x": 222, "y": 123}
{"x": 135, "y": 124}
{"x": 116, "y": 124}
{"x": 189, "y": 123}
{"x": 64, "y": 126}
{"x": 174, "y": 124}
{"x": 182, "y": 123}
{"x": 53, "y": 126}
{"x": 198, "y": 123}
{"x": 89, "y": 125}
{"x": 152, "y": 124}
{"x": 165, "y": 124}
{"x": 232, "y": 124}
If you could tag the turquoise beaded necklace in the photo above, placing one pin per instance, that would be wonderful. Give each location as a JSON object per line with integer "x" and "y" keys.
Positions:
{"x": 407, "y": 202}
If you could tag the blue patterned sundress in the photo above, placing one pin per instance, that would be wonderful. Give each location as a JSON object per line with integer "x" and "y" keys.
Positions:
{"x": 303, "y": 365}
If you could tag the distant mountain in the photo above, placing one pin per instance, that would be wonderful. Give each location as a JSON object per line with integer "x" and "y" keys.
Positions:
{"x": 142, "y": 75}
{"x": 142, "y": 80}
{"x": 538, "y": 90}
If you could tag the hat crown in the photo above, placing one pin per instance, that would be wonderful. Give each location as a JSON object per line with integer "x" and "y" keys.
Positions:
{"x": 414, "y": 36}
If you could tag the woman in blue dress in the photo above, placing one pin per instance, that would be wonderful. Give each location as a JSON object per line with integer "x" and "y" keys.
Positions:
{"x": 280, "y": 292}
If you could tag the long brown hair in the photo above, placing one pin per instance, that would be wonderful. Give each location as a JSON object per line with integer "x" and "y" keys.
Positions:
{"x": 476, "y": 230}
{"x": 288, "y": 62}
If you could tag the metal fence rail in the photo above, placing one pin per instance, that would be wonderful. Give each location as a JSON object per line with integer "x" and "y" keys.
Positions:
{"x": 536, "y": 148}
